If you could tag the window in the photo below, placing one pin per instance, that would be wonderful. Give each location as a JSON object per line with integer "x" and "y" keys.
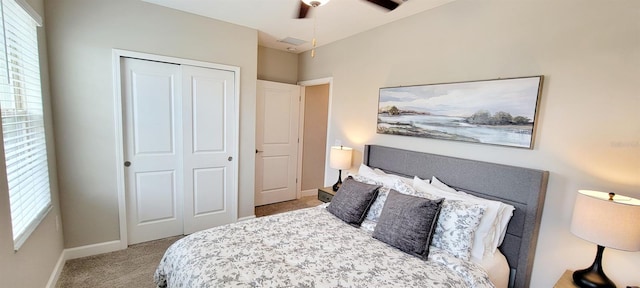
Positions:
{"x": 23, "y": 135}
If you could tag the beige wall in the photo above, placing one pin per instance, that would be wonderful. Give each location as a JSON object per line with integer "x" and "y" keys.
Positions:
{"x": 589, "y": 122}
{"x": 31, "y": 266}
{"x": 81, "y": 36}
{"x": 277, "y": 66}
{"x": 316, "y": 108}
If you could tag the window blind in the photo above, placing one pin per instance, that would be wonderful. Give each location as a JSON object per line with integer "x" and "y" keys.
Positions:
{"x": 23, "y": 135}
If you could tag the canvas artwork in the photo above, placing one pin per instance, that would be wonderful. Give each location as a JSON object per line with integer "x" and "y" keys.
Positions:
{"x": 498, "y": 112}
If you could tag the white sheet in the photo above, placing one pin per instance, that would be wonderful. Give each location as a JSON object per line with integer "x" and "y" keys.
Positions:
{"x": 497, "y": 267}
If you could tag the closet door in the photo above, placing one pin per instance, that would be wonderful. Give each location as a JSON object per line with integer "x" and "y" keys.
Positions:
{"x": 153, "y": 149}
{"x": 209, "y": 147}
{"x": 180, "y": 134}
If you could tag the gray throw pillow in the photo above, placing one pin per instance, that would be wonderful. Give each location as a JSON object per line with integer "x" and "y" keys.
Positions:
{"x": 352, "y": 201}
{"x": 408, "y": 223}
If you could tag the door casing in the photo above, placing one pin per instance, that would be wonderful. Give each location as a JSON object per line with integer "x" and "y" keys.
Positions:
{"x": 328, "y": 179}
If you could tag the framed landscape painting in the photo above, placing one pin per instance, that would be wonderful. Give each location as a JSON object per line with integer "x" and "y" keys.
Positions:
{"x": 498, "y": 112}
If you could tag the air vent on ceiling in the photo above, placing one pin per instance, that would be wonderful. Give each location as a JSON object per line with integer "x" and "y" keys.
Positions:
{"x": 292, "y": 41}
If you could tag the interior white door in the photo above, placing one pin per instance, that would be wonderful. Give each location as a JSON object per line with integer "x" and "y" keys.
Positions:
{"x": 153, "y": 150}
{"x": 277, "y": 109}
{"x": 209, "y": 148}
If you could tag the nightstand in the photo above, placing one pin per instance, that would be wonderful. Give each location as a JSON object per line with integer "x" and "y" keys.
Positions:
{"x": 566, "y": 281}
{"x": 326, "y": 194}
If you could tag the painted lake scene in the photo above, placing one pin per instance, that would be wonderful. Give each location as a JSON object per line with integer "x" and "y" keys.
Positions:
{"x": 497, "y": 112}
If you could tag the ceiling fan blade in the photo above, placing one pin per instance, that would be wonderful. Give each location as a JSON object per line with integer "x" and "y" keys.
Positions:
{"x": 304, "y": 9}
{"x": 388, "y": 4}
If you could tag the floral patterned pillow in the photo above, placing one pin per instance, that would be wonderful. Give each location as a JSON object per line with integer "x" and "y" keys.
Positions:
{"x": 456, "y": 227}
{"x": 376, "y": 207}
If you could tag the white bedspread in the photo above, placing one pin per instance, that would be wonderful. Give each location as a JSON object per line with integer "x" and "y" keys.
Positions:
{"x": 305, "y": 248}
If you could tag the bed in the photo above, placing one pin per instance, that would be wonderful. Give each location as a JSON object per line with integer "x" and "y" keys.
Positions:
{"x": 313, "y": 248}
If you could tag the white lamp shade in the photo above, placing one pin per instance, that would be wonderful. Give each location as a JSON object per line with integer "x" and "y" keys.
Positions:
{"x": 609, "y": 223}
{"x": 340, "y": 157}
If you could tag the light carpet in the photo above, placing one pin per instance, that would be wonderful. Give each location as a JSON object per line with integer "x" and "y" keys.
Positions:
{"x": 134, "y": 266}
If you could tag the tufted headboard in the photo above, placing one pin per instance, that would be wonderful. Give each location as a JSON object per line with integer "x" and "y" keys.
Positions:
{"x": 521, "y": 187}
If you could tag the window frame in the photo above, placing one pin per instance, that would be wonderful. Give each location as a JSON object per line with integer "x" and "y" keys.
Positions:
{"x": 21, "y": 95}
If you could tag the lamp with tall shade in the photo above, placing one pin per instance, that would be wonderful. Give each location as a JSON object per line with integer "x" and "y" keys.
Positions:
{"x": 340, "y": 158}
{"x": 608, "y": 220}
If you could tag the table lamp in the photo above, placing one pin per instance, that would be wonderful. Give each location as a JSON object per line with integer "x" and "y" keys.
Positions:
{"x": 608, "y": 220}
{"x": 340, "y": 158}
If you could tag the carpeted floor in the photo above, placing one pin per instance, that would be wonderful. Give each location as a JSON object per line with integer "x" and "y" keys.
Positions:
{"x": 304, "y": 202}
{"x": 134, "y": 266}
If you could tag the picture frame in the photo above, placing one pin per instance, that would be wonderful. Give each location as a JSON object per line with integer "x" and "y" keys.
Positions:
{"x": 496, "y": 112}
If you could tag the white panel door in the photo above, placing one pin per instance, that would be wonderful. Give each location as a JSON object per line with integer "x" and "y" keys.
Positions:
{"x": 277, "y": 109}
{"x": 209, "y": 148}
{"x": 153, "y": 150}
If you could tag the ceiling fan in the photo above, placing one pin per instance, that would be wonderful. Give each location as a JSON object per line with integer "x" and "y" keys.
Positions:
{"x": 305, "y": 5}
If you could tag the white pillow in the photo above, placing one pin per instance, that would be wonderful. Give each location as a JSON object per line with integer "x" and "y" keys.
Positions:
{"x": 504, "y": 215}
{"x": 506, "y": 212}
{"x": 436, "y": 182}
{"x": 406, "y": 180}
{"x": 483, "y": 240}
{"x": 386, "y": 180}
{"x": 379, "y": 175}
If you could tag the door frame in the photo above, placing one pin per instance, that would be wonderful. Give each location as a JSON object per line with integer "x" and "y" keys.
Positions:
{"x": 117, "y": 54}
{"x": 303, "y": 84}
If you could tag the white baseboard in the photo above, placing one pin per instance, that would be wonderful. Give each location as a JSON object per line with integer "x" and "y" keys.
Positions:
{"x": 246, "y": 218}
{"x": 57, "y": 270}
{"x": 310, "y": 192}
{"x": 93, "y": 249}
{"x": 79, "y": 252}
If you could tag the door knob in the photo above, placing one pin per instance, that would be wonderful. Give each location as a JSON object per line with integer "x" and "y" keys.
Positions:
{"x": 258, "y": 151}
{"x": 127, "y": 163}
{"x": 230, "y": 158}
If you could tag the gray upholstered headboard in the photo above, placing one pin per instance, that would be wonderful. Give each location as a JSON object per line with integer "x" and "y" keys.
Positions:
{"x": 521, "y": 187}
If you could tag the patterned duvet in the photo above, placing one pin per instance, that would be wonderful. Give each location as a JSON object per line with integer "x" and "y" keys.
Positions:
{"x": 305, "y": 248}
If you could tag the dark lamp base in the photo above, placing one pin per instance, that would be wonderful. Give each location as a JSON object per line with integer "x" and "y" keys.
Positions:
{"x": 339, "y": 183}
{"x": 588, "y": 278}
{"x": 593, "y": 277}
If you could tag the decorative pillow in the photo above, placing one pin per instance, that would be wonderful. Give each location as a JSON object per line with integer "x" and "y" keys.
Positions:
{"x": 405, "y": 188}
{"x": 504, "y": 214}
{"x": 456, "y": 227}
{"x": 483, "y": 239}
{"x": 378, "y": 204}
{"x": 352, "y": 201}
{"x": 408, "y": 222}
{"x": 376, "y": 208}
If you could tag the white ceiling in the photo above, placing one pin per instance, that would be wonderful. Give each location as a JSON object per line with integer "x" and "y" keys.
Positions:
{"x": 276, "y": 19}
